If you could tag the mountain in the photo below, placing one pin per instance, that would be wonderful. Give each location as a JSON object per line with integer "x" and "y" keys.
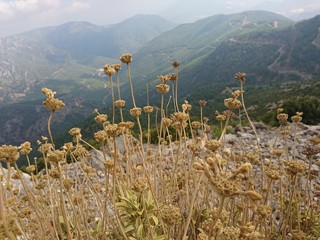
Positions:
{"x": 65, "y": 58}
{"x": 68, "y": 52}
{"x": 197, "y": 43}
{"x": 270, "y": 48}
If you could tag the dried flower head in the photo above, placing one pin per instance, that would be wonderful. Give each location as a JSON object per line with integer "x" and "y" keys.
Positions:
{"x": 220, "y": 117}
{"x": 175, "y": 64}
{"x": 56, "y": 156}
{"x": 163, "y": 88}
{"x": 225, "y": 185}
{"x": 135, "y": 112}
{"x": 164, "y": 78}
{"x": 186, "y": 106}
{"x": 126, "y": 58}
{"x": 283, "y": 119}
{"x": 241, "y": 76}
{"x": 112, "y": 130}
{"x": 25, "y": 148}
{"x": 244, "y": 168}
{"x": 148, "y": 109}
{"x": 294, "y": 167}
{"x": 297, "y": 118}
{"x": 53, "y": 104}
{"x": 196, "y": 124}
{"x": 100, "y": 136}
{"x": 273, "y": 174}
{"x": 232, "y": 103}
{"x": 9, "y": 153}
{"x": 109, "y": 69}
{"x": 173, "y": 77}
{"x": 166, "y": 122}
{"x": 117, "y": 67}
{"x": 120, "y": 103}
{"x": 212, "y": 144}
{"x": 202, "y": 103}
{"x": 101, "y": 118}
{"x": 48, "y": 92}
{"x": 171, "y": 215}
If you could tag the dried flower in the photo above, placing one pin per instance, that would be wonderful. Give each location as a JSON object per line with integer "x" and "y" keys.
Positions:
{"x": 126, "y": 58}
{"x": 220, "y": 117}
{"x": 232, "y": 103}
{"x": 294, "y": 167}
{"x": 186, "y": 106}
{"x": 101, "y": 118}
{"x": 25, "y": 148}
{"x": 56, "y": 156}
{"x": 9, "y": 153}
{"x": 120, "y": 103}
{"x": 48, "y": 92}
{"x": 53, "y": 104}
{"x": 112, "y": 130}
{"x": 164, "y": 78}
{"x": 109, "y": 70}
{"x": 135, "y": 112}
{"x": 241, "y": 76}
{"x": 283, "y": 119}
{"x": 175, "y": 64}
{"x": 212, "y": 144}
{"x": 166, "y": 122}
{"x": 202, "y": 103}
{"x": 297, "y": 118}
{"x": 163, "y": 88}
{"x": 148, "y": 109}
{"x": 196, "y": 124}
{"x": 171, "y": 215}
{"x": 117, "y": 67}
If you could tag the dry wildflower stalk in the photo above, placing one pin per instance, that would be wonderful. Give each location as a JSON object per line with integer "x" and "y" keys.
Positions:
{"x": 187, "y": 187}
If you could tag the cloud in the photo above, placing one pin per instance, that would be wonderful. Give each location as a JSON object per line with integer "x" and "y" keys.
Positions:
{"x": 78, "y": 6}
{"x": 11, "y": 9}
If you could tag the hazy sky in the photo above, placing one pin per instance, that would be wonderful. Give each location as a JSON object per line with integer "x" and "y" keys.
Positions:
{"x": 23, "y": 15}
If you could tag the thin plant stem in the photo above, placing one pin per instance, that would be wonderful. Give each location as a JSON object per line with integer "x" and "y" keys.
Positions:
{"x": 131, "y": 87}
{"x": 49, "y": 127}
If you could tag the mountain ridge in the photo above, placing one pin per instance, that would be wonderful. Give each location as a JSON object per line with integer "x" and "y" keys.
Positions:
{"x": 210, "y": 51}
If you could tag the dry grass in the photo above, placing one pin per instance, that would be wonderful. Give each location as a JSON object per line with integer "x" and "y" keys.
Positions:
{"x": 188, "y": 186}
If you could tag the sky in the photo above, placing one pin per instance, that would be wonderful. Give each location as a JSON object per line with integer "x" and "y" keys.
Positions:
{"x": 18, "y": 16}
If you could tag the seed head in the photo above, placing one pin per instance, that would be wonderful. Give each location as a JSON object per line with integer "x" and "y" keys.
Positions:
{"x": 25, "y": 148}
{"x": 202, "y": 103}
{"x": 48, "y": 92}
{"x": 9, "y": 153}
{"x": 175, "y": 64}
{"x": 232, "y": 103}
{"x": 186, "y": 107}
{"x": 135, "y": 112}
{"x": 109, "y": 70}
{"x": 53, "y": 104}
{"x": 56, "y": 156}
{"x": 148, "y": 109}
{"x": 120, "y": 103}
{"x": 101, "y": 118}
{"x": 112, "y": 130}
{"x": 117, "y": 67}
{"x": 240, "y": 76}
{"x": 126, "y": 58}
{"x": 297, "y": 118}
{"x": 166, "y": 122}
{"x": 163, "y": 88}
{"x": 212, "y": 144}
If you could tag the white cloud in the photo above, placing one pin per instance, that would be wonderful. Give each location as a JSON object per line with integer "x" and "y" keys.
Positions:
{"x": 78, "y": 6}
